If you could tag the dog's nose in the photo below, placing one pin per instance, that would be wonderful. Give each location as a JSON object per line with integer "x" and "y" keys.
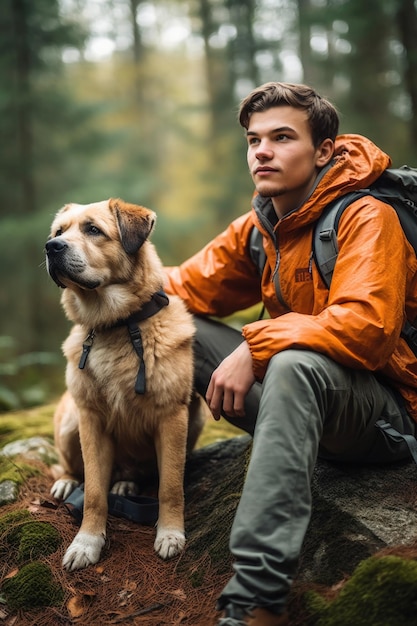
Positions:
{"x": 55, "y": 245}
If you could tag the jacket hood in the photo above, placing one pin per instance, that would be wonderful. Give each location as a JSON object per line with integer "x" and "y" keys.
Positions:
{"x": 357, "y": 163}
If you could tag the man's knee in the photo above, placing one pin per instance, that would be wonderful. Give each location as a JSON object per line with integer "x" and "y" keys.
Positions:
{"x": 288, "y": 363}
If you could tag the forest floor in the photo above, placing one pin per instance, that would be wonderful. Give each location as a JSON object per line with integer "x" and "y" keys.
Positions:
{"x": 130, "y": 584}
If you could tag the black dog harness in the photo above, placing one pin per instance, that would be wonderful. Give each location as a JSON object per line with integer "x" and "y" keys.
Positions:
{"x": 158, "y": 300}
{"x": 140, "y": 509}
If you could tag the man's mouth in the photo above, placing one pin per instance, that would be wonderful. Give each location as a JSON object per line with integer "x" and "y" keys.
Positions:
{"x": 264, "y": 171}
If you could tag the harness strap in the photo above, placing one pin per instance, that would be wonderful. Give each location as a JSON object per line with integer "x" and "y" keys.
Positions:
{"x": 136, "y": 339}
{"x": 396, "y": 436}
{"x": 140, "y": 509}
{"x": 158, "y": 300}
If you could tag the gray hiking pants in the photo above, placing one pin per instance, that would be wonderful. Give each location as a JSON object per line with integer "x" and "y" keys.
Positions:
{"x": 307, "y": 406}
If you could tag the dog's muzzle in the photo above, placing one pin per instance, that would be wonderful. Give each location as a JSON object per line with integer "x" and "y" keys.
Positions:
{"x": 55, "y": 251}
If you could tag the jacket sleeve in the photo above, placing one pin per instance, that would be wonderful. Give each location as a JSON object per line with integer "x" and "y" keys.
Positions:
{"x": 220, "y": 279}
{"x": 360, "y": 324}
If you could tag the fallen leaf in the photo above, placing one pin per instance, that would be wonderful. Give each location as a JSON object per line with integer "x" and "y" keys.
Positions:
{"x": 179, "y": 593}
{"x": 130, "y": 585}
{"x": 12, "y": 573}
{"x": 75, "y": 606}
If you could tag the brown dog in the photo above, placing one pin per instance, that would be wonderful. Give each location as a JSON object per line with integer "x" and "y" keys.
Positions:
{"x": 129, "y": 371}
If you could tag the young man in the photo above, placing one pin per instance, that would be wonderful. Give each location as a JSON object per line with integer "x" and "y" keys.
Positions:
{"x": 316, "y": 377}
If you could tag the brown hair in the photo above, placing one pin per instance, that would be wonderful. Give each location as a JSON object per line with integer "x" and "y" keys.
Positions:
{"x": 322, "y": 115}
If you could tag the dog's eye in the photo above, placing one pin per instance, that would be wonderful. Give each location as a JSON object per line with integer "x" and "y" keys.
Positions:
{"x": 58, "y": 232}
{"x": 91, "y": 229}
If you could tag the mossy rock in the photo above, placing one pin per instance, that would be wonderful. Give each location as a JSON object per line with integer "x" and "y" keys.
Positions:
{"x": 11, "y": 527}
{"x": 382, "y": 591}
{"x": 30, "y": 539}
{"x": 16, "y": 472}
{"x": 33, "y": 586}
{"x": 37, "y": 539}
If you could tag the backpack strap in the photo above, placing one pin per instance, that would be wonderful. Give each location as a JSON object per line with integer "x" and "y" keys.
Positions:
{"x": 325, "y": 247}
{"x": 409, "y": 333}
{"x": 256, "y": 249}
{"x": 393, "y": 434}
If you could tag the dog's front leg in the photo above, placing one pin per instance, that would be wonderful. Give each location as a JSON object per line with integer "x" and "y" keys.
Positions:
{"x": 171, "y": 442}
{"x": 98, "y": 454}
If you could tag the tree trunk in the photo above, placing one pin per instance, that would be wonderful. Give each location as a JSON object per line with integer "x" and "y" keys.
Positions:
{"x": 23, "y": 107}
{"x": 137, "y": 40}
{"x": 407, "y": 25}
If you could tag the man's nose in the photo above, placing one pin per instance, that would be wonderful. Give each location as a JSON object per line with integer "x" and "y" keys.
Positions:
{"x": 264, "y": 150}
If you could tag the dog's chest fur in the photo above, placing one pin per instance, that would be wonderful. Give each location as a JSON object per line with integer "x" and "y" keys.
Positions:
{"x": 112, "y": 364}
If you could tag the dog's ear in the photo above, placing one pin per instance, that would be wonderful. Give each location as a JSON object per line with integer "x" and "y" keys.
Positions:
{"x": 135, "y": 223}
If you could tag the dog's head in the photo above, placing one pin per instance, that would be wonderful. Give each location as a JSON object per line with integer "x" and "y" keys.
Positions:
{"x": 94, "y": 245}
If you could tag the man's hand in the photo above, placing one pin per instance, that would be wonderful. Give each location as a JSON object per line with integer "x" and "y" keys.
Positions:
{"x": 230, "y": 383}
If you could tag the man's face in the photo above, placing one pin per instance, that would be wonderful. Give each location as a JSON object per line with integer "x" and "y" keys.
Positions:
{"x": 282, "y": 159}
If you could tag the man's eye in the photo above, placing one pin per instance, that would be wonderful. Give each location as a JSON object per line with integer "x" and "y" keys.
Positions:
{"x": 253, "y": 140}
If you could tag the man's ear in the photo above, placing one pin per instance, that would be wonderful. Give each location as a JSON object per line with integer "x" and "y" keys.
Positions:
{"x": 325, "y": 152}
{"x": 135, "y": 223}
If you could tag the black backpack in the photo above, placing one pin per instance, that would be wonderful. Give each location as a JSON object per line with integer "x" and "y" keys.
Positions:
{"x": 397, "y": 187}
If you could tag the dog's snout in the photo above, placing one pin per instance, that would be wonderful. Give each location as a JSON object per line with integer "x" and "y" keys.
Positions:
{"x": 55, "y": 245}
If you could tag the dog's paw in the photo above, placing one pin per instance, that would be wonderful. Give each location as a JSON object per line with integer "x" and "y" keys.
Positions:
{"x": 63, "y": 487}
{"x": 169, "y": 542}
{"x": 125, "y": 488}
{"x": 85, "y": 550}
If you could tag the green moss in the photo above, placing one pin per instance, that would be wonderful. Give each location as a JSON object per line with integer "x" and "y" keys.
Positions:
{"x": 37, "y": 539}
{"x": 10, "y": 528}
{"x": 381, "y": 592}
{"x": 16, "y": 472}
{"x": 10, "y": 520}
{"x": 316, "y": 606}
{"x": 27, "y": 538}
{"x": 33, "y": 586}
{"x": 36, "y": 422}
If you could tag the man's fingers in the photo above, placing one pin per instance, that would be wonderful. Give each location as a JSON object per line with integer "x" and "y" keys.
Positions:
{"x": 214, "y": 399}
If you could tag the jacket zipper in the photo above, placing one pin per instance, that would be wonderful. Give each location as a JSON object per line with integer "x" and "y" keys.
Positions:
{"x": 275, "y": 273}
{"x": 276, "y": 281}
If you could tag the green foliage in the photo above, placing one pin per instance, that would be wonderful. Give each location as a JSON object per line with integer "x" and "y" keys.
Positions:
{"x": 33, "y": 586}
{"x": 28, "y": 379}
{"x": 381, "y": 592}
{"x": 159, "y": 128}
{"x": 34, "y": 107}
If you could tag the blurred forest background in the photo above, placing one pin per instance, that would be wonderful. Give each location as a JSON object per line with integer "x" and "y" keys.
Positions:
{"x": 138, "y": 99}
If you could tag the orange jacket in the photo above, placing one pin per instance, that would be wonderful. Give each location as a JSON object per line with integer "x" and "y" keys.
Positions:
{"x": 358, "y": 322}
